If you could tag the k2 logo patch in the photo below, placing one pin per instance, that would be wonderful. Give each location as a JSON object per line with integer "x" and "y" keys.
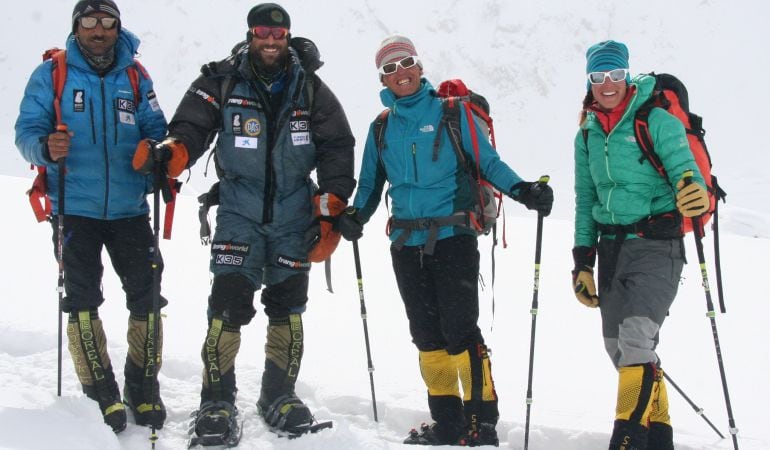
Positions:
{"x": 126, "y": 105}
{"x": 78, "y": 100}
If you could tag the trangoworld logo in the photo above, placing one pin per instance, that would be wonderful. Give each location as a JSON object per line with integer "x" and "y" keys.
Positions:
{"x": 301, "y": 265}
{"x": 229, "y": 253}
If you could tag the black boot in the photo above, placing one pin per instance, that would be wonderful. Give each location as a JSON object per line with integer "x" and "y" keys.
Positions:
{"x": 141, "y": 391}
{"x": 628, "y": 436}
{"x": 279, "y": 406}
{"x": 88, "y": 347}
{"x": 215, "y": 420}
{"x": 480, "y": 397}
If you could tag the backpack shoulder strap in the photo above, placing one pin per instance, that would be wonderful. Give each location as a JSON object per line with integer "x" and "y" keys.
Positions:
{"x": 450, "y": 119}
{"x": 642, "y": 133}
{"x": 58, "y": 77}
{"x": 380, "y": 124}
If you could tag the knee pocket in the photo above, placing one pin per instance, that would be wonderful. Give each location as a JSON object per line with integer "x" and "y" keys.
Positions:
{"x": 232, "y": 298}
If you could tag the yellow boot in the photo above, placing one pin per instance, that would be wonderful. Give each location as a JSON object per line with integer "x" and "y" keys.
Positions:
{"x": 661, "y": 436}
{"x": 633, "y": 407}
{"x": 88, "y": 347}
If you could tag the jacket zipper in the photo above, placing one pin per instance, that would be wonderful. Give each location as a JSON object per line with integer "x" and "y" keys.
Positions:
{"x": 106, "y": 153}
{"x": 414, "y": 162}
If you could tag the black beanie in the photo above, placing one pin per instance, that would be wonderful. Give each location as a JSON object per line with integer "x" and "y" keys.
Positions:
{"x": 88, "y": 7}
{"x": 268, "y": 15}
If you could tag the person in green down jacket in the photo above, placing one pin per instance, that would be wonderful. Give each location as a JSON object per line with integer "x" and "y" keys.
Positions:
{"x": 632, "y": 217}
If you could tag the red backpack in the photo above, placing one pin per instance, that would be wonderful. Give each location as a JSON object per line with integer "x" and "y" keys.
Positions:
{"x": 38, "y": 193}
{"x": 671, "y": 94}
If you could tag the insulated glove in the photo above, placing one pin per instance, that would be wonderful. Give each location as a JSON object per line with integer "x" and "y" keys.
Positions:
{"x": 583, "y": 276}
{"x": 349, "y": 224}
{"x": 172, "y": 154}
{"x": 321, "y": 237}
{"x": 691, "y": 199}
{"x": 584, "y": 287}
{"x": 535, "y": 195}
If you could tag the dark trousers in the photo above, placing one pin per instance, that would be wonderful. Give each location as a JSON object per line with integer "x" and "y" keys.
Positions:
{"x": 129, "y": 243}
{"x": 440, "y": 293}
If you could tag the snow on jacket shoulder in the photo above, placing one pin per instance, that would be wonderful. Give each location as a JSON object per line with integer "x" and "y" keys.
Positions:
{"x": 421, "y": 186}
{"x": 106, "y": 123}
{"x": 614, "y": 184}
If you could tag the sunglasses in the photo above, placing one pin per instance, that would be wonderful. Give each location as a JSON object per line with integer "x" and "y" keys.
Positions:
{"x": 614, "y": 76}
{"x": 89, "y": 23}
{"x": 262, "y": 32}
{"x": 406, "y": 63}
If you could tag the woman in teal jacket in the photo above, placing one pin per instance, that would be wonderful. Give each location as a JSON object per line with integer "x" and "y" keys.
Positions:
{"x": 435, "y": 251}
{"x": 633, "y": 217}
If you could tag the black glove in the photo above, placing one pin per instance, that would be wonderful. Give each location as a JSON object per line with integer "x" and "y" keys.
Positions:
{"x": 534, "y": 195}
{"x": 349, "y": 224}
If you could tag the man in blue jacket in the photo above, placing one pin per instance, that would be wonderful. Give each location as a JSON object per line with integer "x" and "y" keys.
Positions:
{"x": 274, "y": 121}
{"x": 435, "y": 250}
{"x": 105, "y": 198}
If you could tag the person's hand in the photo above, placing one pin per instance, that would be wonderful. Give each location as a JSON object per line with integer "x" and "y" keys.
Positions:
{"x": 583, "y": 276}
{"x": 172, "y": 154}
{"x": 535, "y": 195}
{"x": 584, "y": 287}
{"x": 691, "y": 199}
{"x": 58, "y": 144}
{"x": 349, "y": 224}
{"x": 321, "y": 237}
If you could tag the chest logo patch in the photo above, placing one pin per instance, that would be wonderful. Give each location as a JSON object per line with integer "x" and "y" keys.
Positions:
{"x": 252, "y": 127}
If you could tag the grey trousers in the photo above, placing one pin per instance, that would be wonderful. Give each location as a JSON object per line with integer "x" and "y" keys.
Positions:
{"x": 636, "y": 300}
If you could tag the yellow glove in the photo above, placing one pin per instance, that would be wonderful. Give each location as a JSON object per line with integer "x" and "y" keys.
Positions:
{"x": 584, "y": 287}
{"x": 691, "y": 199}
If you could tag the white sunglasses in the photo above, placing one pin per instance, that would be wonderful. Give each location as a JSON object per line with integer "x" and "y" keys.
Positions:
{"x": 405, "y": 63}
{"x": 614, "y": 76}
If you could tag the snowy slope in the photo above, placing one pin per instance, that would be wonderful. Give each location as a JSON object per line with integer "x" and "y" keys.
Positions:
{"x": 528, "y": 60}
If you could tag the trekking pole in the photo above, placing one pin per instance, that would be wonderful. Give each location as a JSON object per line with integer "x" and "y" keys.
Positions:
{"x": 153, "y": 319}
{"x": 698, "y": 233}
{"x": 533, "y": 310}
{"x": 366, "y": 328}
{"x": 698, "y": 410}
{"x": 60, "y": 259}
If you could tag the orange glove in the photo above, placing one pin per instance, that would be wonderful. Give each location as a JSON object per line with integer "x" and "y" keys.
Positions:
{"x": 691, "y": 199}
{"x": 322, "y": 238}
{"x": 170, "y": 153}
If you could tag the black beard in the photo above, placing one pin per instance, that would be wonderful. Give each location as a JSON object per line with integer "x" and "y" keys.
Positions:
{"x": 268, "y": 69}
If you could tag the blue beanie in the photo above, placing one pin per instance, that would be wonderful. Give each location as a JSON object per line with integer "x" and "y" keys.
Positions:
{"x": 606, "y": 56}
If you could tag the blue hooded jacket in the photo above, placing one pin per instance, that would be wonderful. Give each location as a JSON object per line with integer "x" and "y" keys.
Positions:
{"x": 106, "y": 123}
{"x": 419, "y": 186}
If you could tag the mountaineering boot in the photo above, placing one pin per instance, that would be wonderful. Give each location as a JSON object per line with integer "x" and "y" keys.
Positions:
{"x": 661, "y": 435}
{"x": 439, "y": 372}
{"x": 633, "y": 407}
{"x": 216, "y": 416}
{"x": 278, "y": 404}
{"x": 479, "y": 396}
{"x": 88, "y": 347}
{"x": 141, "y": 391}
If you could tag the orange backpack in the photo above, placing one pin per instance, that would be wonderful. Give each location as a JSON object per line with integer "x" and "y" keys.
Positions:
{"x": 671, "y": 95}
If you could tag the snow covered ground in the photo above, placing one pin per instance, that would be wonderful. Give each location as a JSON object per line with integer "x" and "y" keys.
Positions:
{"x": 528, "y": 60}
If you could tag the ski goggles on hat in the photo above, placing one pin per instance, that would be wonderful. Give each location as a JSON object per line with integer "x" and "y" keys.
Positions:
{"x": 614, "y": 75}
{"x": 89, "y": 23}
{"x": 406, "y": 63}
{"x": 263, "y": 32}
